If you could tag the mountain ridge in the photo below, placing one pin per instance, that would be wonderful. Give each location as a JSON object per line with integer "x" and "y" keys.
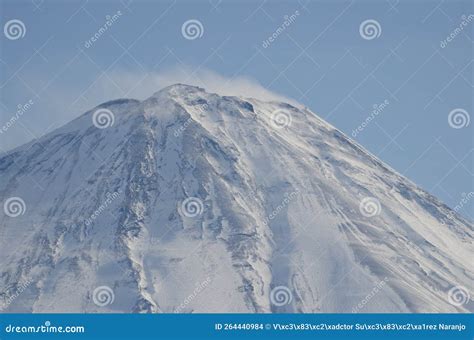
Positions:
{"x": 260, "y": 200}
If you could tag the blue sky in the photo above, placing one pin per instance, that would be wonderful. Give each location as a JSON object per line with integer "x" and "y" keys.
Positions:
{"x": 320, "y": 59}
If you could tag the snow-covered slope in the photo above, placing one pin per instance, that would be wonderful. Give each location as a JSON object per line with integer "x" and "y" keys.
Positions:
{"x": 193, "y": 202}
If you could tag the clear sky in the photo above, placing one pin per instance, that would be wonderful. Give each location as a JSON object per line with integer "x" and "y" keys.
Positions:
{"x": 319, "y": 55}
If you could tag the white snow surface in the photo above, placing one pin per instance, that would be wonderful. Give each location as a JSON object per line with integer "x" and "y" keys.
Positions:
{"x": 280, "y": 207}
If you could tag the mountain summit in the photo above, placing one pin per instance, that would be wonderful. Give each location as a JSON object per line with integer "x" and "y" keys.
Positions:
{"x": 193, "y": 202}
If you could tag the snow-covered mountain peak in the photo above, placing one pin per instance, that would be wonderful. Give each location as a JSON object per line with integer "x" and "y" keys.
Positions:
{"x": 242, "y": 198}
{"x": 178, "y": 90}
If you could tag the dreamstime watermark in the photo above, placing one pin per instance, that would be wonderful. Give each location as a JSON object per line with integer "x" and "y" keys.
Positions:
{"x": 288, "y": 21}
{"x": 47, "y": 328}
{"x": 14, "y": 207}
{"x": 459, "y": 118}
{"x": 192, "y": 29}
{"x": 466, "y": 198}
{"x": 199, "y": 288}
{"x": 180, "y": 129}
{"x": 110, "y": 197}
{"x": 370, "y": 207}
{"x": 281, "y": 119}
{"x": 14, "y": 29}
{"x": 370, "y": 29}
{"x": 378, "y": 287}
{"x": 281, "y": 296}
{"x": 103, "y": 296}
{"x": 465, "y": 20}
{"x": 21, "y": 110}
{"x": 376, "y": 110}
{"x": 109, "y": 21}
{"x": 458, "y": 296}
{"x": 284, "y": 203}
{"x": 191, "y": 207}
{"x": 22, "y": 286}
{"x": 103, "y": 118}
